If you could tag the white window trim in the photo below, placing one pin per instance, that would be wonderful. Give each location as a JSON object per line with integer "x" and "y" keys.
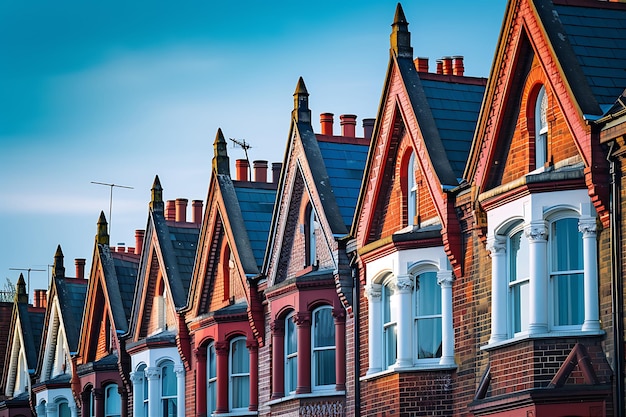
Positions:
{"x": 231, "y": 375}
{"x": 211, "y": 380}
{"x": 288, "y": 357}
{"x": 314, "y": 387}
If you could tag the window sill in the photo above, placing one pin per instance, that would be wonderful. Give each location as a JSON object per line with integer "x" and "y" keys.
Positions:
{"x": 548, "y": 335}
{"x": 235, "y": 413}
{"x": 314, "y": 394}
{"x": 415, "y": 368}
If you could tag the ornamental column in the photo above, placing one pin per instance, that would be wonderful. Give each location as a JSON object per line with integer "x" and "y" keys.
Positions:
{"x": 496, "y": 245}
{"x": 153, "y": 374}
{"x": 373, "y": 292}
{"x": 303, "y": 323}
{"x": 587, "y": 226}
{"x": 403, "y": 293}
{"x": 253, "y": 351}
{"x": 137, "y": 378}
{"x": 179, "y": 370}
{"x": 339, "y": 316}
{"x": 98, "y": 402}
{"x": 445, "y": 280}
{"x": 201, "y": 381}
{"x": 537, "y": 234}
{"x": 221, "y": 353}
{"x": 278, "y": 361}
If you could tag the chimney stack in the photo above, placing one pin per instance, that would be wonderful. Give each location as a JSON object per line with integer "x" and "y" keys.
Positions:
{"x": 368, "y": 128}
{"x": 40, "y": 299}
{"x": 348, "y": 125}
{"x": 80, "y": 268}
{"x": 276, "y": 168}
{"x": 458, "y": 68}
{"x": 241, "y": 168}
{"x": 170, "y": 210}
{"x": 139, "y": 235}
{"x": 260, "y": 171}
{"x": 439, "y": 66}
{"x": 421, "y": 64}
{"x": 181, "y": 210}
{"x": 196, "y": 211}
{"x": 327, "y": 120}
{"x": 447, "y": 65}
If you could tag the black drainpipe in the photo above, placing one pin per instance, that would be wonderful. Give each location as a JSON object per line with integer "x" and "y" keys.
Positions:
{"x": 617, "y": 284}
{"x": 356, "y": 303}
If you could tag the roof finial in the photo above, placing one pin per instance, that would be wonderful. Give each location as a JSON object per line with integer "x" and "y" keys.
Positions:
{"x": 20, "y": 290}
{"x": 400, "y": 37}
{"x": 301, "y": 112}
{"x": 156, "y": 198}
{"x": 221, "y": 162}
{"x": 58, "y": 270}
{"x": 102, "y": 236}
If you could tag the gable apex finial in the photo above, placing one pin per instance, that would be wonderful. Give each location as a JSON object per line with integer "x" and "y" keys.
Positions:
{"x": 58, "y": 270}
{"x": 301, "y": 111}
{"x": 156, "y": 195}
{"x": 102, "y": 234}
{"x": 400, "y": 37}
{"x": 221, "y": 162}
{"x": 21, "y": 296}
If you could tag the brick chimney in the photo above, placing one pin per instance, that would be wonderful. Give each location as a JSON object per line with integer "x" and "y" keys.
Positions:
{"x": 241, "y": 169}
{"x": 276, "y": 168}
{"x": 80, "y": 268}
{"x": 181, "y": 210}
{"x": 348, "y": 125}
{"x": 139, "y": 235}
{"x": 170, "y": 210}
{"x": 260, "y": 171}
{"x": 196, "y": 211}
{"x": 447, "y": 65}
{"x": 458, "y": 68}
{"x": 327, "y": 120}
{"x": 421, "y": 64}
{"x": 368, "y": 128}
{"x": 40, "y": 299}
{"x": 439, "y": 66}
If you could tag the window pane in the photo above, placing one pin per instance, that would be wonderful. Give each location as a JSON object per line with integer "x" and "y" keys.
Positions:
{"x": 567, "y": 246}
{"x": 291, "y": 374}
{"x": 168, "y": 380}
{"x": 387, "y": 293}
{"x": 291, "y": 352}
{"x": 429, "y": 338}
{"x": 241, "y": 391}
{"x": 519, "y": 267}
{"x": 569, "y": 305}
{"x": 290, "y": 336}
{"x": 211, "y": 362}
{"x": 324, "y": 331}
{"x": 325, "y": 367}
{"x": 521, "y": 299}
{"x": 64, "y": 410}
{"x": 211, "y": 379}
{"x": 112, "y": 401}
{"x": 240, "y": 358}
{"x": 169, "y": 407}
{"x": 428, "y": 294}
{"x": 390, "y": 345}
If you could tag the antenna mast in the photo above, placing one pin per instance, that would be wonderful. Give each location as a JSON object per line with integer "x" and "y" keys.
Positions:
{"x": 111, "y": 197}
{"x": 245, "y": 146}
{"x": 28, "y": 279}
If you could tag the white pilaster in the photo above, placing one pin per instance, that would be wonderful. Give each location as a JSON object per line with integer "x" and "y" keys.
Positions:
{"x": 373, "y": 292}
{"x": 403, "y": 293}
{"x": 179, "y": 370}
{"x": 587, "y": 227}
{"x": 138, "y": 379}
{"x": 445, "y": 280}
{"x": 537, "y": 234}
{"x": 496, "y": 245}
{"x": 154, "y": 390}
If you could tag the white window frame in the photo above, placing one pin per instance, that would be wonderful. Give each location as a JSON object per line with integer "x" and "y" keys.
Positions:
{"x": 416, "y": 317}
{"x": 516, "y": 283}
{"x": 232, "y": 376}
{"x": 411, "y": 192}
{"x": 390, "y": 323}
{"x": 107, "y": 401}
{"x": 167, "y": 398}
{"x": 291, "y": 358}
{"x": 541, "y": 128}
{"x": 211, "y": 375}
{"x": 318, "y": 349}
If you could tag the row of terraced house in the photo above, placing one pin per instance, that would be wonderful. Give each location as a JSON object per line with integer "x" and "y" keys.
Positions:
{"x": 463, "y": 258}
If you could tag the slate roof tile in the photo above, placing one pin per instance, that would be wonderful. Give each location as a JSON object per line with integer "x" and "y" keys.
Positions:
{"x": 257, "y": 206}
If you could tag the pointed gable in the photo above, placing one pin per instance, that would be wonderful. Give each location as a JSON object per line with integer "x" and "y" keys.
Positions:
{"x": 418, "y": 151}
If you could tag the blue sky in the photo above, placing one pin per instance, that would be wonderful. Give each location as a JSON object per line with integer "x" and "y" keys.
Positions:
{"x": 117, "y": 93}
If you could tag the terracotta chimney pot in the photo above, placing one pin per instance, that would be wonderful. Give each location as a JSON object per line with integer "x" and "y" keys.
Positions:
{"x": 80, "y": 268}
{"x": 196, "y": 211}
{"x": 458, "y": 68}
{"x": 327, "y": 120}
{"x": 421, "y": 64}
{"x": 170, "y": 210}
{"x": 260, "y": 171}
{"x": 241, "y": 168}
{"x": 439, "y": 66}
{"x": 447, "y": 65}
{"x": 181, "y": 210}
{"x": 348, "y": 125}
{"x": 139, "y": 235}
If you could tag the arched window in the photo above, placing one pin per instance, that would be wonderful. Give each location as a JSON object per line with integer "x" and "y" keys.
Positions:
{"x": 112, "y": 401}
{"x": 291, "y": 354}
{"x": 323, "y": 348}
{"x": 225, "y": 266}
{"x": 566, "y": 272}
{"x": 519, "y": 277}
{"x": 310, "y": 226}
{"x": 412, "y": 191}
{"x": 239, "y": 370}
{"x": 64, "y": 409}
{"x": 427, "y": 296}
{"x": 541, "y": 128}
{"x": 390, "y": 323}
{"x": 211, "y": 373}
{"x": 168, "y": 389}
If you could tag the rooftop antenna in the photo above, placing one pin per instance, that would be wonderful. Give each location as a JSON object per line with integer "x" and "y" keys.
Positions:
{"x": 245, "y": 146}
{"x": 28, "y": 277}
{"x": 111, "y": 197}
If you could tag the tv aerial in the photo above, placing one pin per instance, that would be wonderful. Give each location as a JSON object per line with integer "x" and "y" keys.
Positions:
{"x": 245, "y": 146}
{"x": 111, "y": 197}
